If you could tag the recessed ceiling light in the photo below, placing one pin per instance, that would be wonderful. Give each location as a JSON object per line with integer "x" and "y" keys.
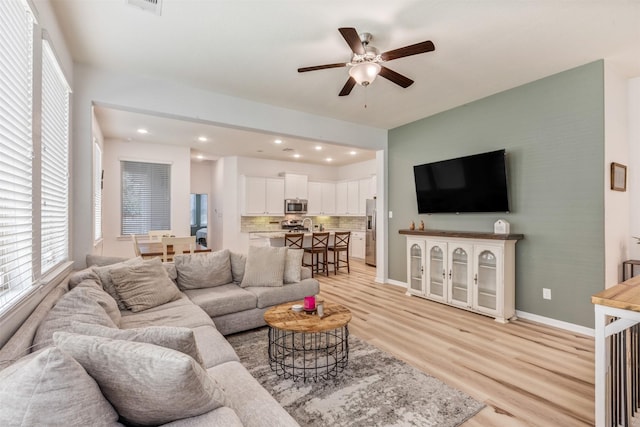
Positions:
{"x": 329, "y": 159}
{"x": 200, "y": 156}
{"x": 353, "y": 153}
{"x": 203, "y": 139}
{"x": 278, "y": 141}
{"x": 143, "y": 131}
{"x": 318, "y": 147}
{"x": 297, "y": 156}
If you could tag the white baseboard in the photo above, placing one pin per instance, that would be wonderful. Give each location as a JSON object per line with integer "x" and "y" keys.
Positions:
{"x": 583, "y": 330}
{"x": 396, "y": 283}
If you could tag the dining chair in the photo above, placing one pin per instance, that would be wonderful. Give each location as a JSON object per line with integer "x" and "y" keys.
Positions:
{"x": 293, "y": 240}
{"x": 179, "y": 245}
{"x": 157, "y": 235}
{"x": 319, "y": 245}
{"x": 136, "y": 249}
{"x": 340, "y": 244}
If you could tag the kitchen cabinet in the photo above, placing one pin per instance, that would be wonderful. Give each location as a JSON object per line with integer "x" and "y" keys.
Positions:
{"x": 263, "y": 196}
{"x": 347, "y": 198}
{"x": 364, "y": 193}
{"x": 322, "y": 198}
{"x": 472, "y": 273}
{"x": 295, "y": 186}
{"x": 356, "y": 244}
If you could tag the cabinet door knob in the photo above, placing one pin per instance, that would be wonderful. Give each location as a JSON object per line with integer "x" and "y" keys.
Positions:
{"x": 475, "y": 279}
{"x": 449, "y": 274}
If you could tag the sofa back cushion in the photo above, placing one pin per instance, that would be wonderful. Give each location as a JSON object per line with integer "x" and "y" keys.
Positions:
{"x": 50, "y": 388}
{"x": 144, "y": 285}
{"x": 238, "y": 262}
{"x": 146, "y": 383}
{"x": 203, "y": 270}
{"x": 79, "y": 304}
{"x": 104, "y": 273}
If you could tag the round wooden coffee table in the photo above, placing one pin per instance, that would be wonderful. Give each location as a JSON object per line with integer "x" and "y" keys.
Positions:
{"x": 305, "y": 346}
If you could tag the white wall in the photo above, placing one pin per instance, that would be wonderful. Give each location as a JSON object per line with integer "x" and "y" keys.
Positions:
{"x": 616, "y": 203}
{"x": 114, "y": 151}
{"x": 172, "y": 99}
{"x": 633, "y": 182}
{"x": 201, "y": 178}
{"x": 357, "y": 170}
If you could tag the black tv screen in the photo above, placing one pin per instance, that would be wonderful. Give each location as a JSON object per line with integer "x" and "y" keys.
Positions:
{"x": 475, "y": 183}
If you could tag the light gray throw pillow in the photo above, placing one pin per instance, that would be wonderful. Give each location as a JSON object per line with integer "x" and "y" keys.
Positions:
{"x": 264, "y": 267}
{"x": 203, "y": 270}
{"x": 49, "y": 388}
{"x": 104, "y": 273}
{"x": 146, "y": 383}
{"x": 79, "y": 304}
{"x": 144, "y": 285}
{"x": 174, "y": 337}
{"x": 292, "y": 265}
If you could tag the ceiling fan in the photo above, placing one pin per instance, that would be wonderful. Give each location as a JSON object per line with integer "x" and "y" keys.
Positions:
{"x": 366, "y": 62}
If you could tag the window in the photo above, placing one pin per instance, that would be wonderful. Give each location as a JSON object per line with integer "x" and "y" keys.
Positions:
{"x": 54, "y": 164}
{"x": 97, "y": 191}
{"x": 16, "y": 151}
{"x": 146, "y": 203}
{"x": 198, "y": 210}
{"x": 34, "y": 156}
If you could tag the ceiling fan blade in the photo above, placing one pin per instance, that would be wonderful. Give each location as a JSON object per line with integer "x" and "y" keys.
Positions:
{"x": 396, "y": 78}
{"x": 322, "y": 67}
{"x": 346, "y": 89}
{"x": 413, "y": 49}
{"x": 353, "y": 39}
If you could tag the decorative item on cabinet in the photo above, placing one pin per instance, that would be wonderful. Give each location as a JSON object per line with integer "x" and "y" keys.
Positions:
{"x": 421, "y": 227}
{"x": 501, "y": 227}
{"x": 412, "y": 225}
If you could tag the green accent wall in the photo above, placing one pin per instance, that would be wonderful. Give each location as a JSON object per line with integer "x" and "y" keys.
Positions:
{"x": 553, "y": 132}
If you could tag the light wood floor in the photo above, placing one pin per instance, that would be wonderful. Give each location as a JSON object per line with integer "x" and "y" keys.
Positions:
{"x": 526, "y": 373}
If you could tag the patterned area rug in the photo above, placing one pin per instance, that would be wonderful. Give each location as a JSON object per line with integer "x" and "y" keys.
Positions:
{"x": 375, "y": 389}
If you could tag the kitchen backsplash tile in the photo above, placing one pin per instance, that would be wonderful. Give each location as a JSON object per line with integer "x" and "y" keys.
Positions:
{"x": 249, "y": 224}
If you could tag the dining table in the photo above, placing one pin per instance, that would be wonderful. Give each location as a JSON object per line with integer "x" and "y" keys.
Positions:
{"x": 154, "y": 249}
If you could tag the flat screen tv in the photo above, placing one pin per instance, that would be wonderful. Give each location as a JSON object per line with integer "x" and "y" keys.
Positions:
{"x": 476, "y": 183}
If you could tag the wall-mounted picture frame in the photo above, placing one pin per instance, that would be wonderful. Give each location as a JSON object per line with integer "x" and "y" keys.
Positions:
{"x": 618, "y": 177}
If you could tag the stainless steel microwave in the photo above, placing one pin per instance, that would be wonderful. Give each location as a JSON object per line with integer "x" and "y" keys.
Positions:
{"x": 295, "y": 206}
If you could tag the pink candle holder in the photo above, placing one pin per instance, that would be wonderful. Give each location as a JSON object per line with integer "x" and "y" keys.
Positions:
{"x": 310, "y": 303}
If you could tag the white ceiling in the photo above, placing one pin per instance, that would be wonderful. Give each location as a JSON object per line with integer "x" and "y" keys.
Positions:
{"x": 251, "y": 49}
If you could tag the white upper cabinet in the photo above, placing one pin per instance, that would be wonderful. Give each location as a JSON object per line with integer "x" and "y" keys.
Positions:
{"x": 322, "y": 198}
{"x": 263, "y": 196}
{"x": 295, "y": 186}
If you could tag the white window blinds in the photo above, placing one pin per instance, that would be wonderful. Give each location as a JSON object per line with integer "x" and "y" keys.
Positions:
{"x": 97, "y": 192}
{"x": 55, "y": 163}
{"x": 16, "y": 83}
{"x": 146, "y": 203}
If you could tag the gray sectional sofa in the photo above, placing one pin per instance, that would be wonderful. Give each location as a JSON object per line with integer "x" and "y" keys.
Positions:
{"x": 139, "y": 342}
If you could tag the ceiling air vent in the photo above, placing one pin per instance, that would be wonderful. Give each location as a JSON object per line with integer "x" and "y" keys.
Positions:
{"x": 154, "y": 6}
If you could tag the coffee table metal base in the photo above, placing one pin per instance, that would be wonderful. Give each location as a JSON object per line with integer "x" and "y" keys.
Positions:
{"x": 308, "y": 355}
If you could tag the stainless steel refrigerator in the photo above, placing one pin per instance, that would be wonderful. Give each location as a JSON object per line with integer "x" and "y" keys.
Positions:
{"x": 370, "y": 240}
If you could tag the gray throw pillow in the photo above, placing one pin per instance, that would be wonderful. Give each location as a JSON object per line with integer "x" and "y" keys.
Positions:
{"x": 79, "y": 304}
{"x": 174, "y": 337}
{"x": 79, "y": 276}
{"x": 104, "y": 273}
{"x": 264, "y": 267}
{"x": 49, "y": 388}
{"x": 238, "y": 262}
{"x": 203, "y": 270}
{"x": 292, "y": 265}
{"x": 144, "y": 285}
{"x": 146, "y": 383}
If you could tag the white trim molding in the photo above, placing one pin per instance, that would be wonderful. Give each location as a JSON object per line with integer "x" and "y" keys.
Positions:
{"x": 571, "y": 327}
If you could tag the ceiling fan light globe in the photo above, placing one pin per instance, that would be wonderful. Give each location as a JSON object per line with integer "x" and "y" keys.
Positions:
{"x": 365, "y": 73}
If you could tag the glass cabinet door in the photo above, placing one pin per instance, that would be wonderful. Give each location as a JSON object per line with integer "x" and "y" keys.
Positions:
{"x": 487, "y": 279}
{"x": 460, "y": 269}
{"x": 416, "y": 267}
{"x": 436, "y": 260}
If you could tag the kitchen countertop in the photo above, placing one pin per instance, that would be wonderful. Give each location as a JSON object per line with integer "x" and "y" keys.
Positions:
{"x": 280, "y": 234}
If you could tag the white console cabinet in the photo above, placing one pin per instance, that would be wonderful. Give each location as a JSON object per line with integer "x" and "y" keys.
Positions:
{"x": 473, "y": 271}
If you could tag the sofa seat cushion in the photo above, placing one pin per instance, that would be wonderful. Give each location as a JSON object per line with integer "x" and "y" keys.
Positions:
{"x": 268, "y": 296}
{"x": 251, "y": 402}
{"x": 213, "y": 346}
{"x": 50, "y": 388}
{"x": 181, "y": 312}
{"x": 79, "y": 304}
{"x": 222, "y": 417}
{"x": 225, "y": 299}
{"x": 147, "y": 384}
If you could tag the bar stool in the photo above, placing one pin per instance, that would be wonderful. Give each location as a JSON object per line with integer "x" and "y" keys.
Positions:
{"x": 293, "y": 240}
{"x": 340, "y": 244}
{"x": 319, "y": 245}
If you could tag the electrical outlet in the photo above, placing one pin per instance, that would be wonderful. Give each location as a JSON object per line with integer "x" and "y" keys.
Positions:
{"x": 390, "y": 214}
{"x": 546, "y": 293}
